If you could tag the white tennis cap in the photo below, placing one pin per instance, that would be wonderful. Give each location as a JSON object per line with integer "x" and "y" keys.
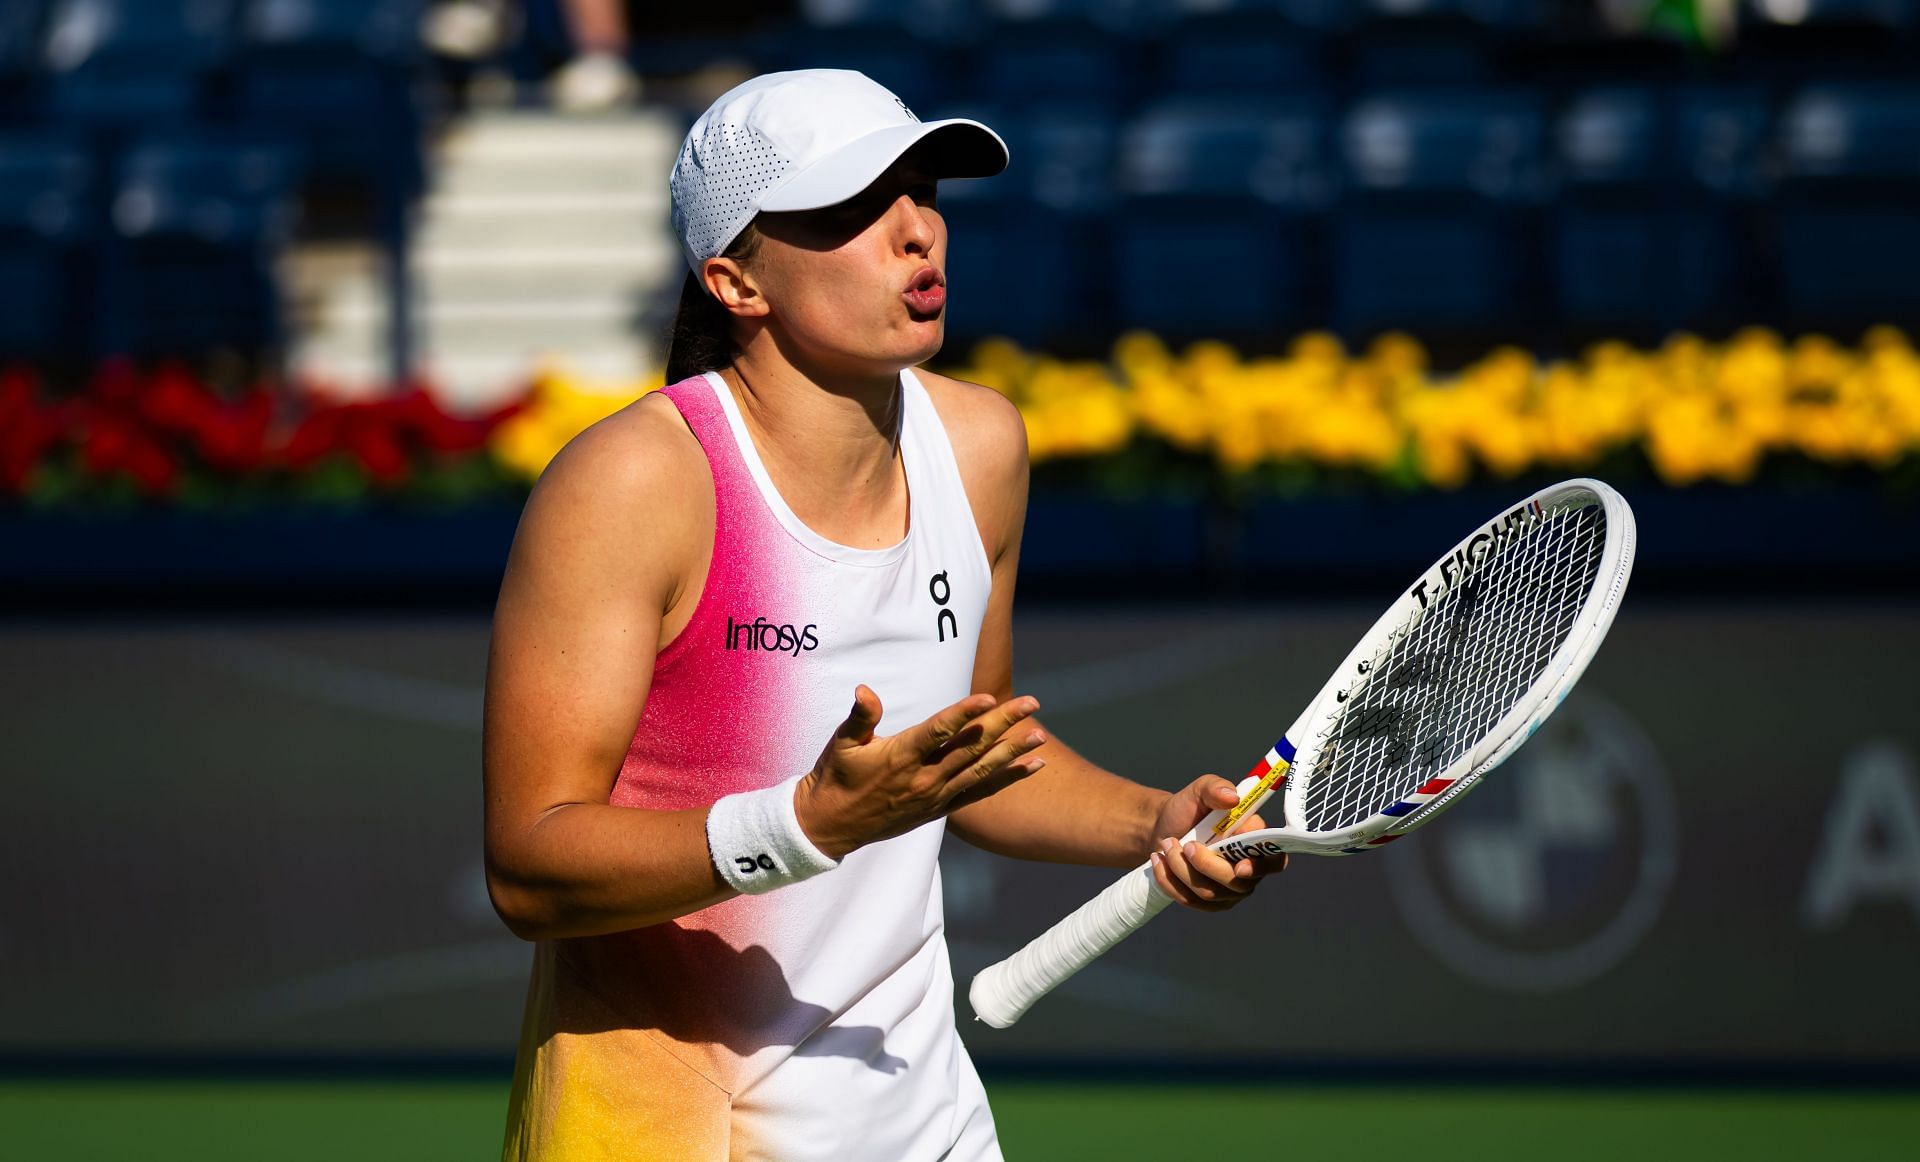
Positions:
{"x": 802, "y": 140}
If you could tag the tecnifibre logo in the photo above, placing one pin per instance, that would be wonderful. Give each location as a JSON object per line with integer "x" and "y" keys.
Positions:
{"x": 761, "y": 634}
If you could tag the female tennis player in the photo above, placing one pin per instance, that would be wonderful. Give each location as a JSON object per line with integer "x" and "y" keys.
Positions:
{"x": 715, "y": 599}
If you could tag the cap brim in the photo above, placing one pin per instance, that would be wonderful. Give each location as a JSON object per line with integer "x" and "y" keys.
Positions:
{"x": 957, "y": 148}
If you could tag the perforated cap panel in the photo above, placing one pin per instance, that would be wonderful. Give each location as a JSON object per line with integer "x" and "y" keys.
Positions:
{"x": 813, "y": 137}
{"x": 718, "y": 181}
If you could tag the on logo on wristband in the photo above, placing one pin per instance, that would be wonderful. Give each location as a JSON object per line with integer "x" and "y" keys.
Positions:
{"x": 762, "y": 823}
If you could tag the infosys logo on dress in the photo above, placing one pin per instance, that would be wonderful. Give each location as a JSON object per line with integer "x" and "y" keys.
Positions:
{"x": 761, "y": 634}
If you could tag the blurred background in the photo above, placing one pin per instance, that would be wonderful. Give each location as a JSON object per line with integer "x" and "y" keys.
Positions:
{"x": 298, "y": 298}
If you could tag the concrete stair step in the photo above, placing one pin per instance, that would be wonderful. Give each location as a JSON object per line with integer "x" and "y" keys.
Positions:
{"x": 539, "y": 136}
{"x": 535, "y": 231}
{"x": 545, "y": 238}
{"x": 614, "y": 175}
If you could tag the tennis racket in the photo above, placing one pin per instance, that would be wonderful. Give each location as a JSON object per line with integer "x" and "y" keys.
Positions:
{"x": 1458, "y": 673}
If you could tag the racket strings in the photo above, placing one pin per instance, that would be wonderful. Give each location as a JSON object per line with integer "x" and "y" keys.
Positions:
{"x": 1439, "y": 689}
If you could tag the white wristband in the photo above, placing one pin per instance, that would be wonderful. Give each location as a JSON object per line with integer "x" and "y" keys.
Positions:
{"x": 756, "y": 841}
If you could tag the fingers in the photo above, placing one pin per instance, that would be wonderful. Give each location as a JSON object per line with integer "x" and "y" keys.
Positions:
{"x": 1266, "y": 865}
{"x": 979, "y": 738}
{"x": 995, "y": 781}
{"x": 1216, "y": 792}
{"x": 861, "y": 720}
{"x": 946, "y": 725}
{"x": 1000, "y": 765}
{"x": 1194, "y": 802}
{"x": 1199, "y": 877}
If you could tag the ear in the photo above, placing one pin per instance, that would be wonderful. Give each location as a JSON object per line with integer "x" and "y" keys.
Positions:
{"x": 729, "y": 283}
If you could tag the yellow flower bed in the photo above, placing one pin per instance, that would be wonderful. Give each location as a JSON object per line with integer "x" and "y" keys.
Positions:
{"x": 1699, "y": 410}
{"x": 560, "y": 406}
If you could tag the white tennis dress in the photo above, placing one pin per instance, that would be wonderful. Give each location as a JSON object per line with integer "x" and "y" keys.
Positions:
{"x": 816, "y": 1021}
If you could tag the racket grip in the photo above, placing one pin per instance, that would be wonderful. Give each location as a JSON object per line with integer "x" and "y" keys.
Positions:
{"x": 1002, "y": 993}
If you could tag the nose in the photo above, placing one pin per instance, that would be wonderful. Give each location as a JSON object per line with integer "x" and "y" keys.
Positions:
{"x": 913, "y": 229}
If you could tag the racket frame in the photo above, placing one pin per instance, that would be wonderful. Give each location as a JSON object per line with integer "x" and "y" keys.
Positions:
{"x": 1003, "y": 992}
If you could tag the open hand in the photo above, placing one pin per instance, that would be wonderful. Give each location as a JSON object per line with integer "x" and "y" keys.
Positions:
{"x": 866, "y": 788}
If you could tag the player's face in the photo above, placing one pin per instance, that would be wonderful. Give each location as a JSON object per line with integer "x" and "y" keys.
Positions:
{"x": 860, "y": 286}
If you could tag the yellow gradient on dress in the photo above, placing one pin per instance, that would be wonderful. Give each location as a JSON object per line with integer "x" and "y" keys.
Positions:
{"x": 585, "y": 1088}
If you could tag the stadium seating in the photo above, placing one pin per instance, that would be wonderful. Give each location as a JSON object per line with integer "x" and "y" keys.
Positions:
{"x": 1216, "y": 232}
{"x": 337, "y": 74}
{"x": 19, "y": 50}
{"x": 1849, "y": 240}
{"x": 338, "y": 77}
{"x": 927, "y": 19}
{"x": 1243, "y": 48}
{"x": 1029, "y": 253}
{"x": 45, "y": 188}
{"x": 1361, "y": 164}
{"x": 1652, "y": 222}
{"x": 197, "y": 220}
{"x": 1435, "y": 228}
{"x": 1419, "y": 43}
{"x": 1056, "y": 52}
{"x": 1859, "y": 13}
{"x": 919, "y": 72}
{"x": 117, "y": 64}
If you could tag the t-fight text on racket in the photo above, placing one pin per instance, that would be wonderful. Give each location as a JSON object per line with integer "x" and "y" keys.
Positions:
{"x": 1458, "y": 673}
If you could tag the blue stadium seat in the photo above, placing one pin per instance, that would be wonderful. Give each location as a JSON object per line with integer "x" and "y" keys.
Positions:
{"x": 1651, "y": 227}
{"x": 1857, "y": 13}
{"x": 124, "y": 63}
{"x": 1217, "y": 232}
{"x": 1057, "y": 52}
{"x": 1113, "y": 15}
{"x": 1028, "y": 253}
{"x": 1849, "y": 240}
{"x": 46, "y": 186}
{"x": 1794, "y": 42}
{"x": 197, "y": 222}
{"x": 1497, "y": 14}
{"x": 918, "y": 72}
{"x": 930, "y": 19}
{"x": 340, "y": 73}
{"x": 1433, "y": 233}
{"x": 20, "y": 36}
{"x": 343, "y": 75}
{"x": 1424, "y": 42}
{"x": 1241, "y": 46}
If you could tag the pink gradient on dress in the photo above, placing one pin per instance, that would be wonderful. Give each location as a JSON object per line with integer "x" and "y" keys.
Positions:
{"x": 716, "y": 721}
{"x": 715, "y": 717}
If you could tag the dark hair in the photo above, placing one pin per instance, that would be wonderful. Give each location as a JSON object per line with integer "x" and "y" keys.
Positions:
{"x": 702, "y": 338}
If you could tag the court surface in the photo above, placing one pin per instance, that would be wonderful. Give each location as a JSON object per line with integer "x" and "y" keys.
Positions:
{"x": 427, "y": 1121}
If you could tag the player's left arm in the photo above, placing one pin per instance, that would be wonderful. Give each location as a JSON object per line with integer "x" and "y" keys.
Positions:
{"x": 1072, "y": 811}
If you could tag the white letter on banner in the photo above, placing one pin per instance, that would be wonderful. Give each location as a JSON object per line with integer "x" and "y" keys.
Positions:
{"x": 1878, "y": 794}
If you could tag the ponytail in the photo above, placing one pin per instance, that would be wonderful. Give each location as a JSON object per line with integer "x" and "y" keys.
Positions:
{"x": 702, "y": 338}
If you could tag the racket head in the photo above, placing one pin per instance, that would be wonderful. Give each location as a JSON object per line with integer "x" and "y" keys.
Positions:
{"x": 1455, "y": 675}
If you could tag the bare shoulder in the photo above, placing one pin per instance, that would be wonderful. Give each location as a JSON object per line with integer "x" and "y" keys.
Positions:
{"x": 989, "y": 437}
{"x": 625, "y": 494}
{"x": 640, "y": 449}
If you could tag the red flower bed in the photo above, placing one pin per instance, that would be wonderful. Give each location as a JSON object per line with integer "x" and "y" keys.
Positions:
{"x": 164, "y": 433}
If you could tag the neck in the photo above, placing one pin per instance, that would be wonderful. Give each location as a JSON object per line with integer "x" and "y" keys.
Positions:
{"x": 830, "y": 443}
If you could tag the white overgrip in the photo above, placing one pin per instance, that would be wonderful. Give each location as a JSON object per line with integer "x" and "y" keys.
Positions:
{"x": 1002, "y": 993}
{"x": 1005, "y": 992}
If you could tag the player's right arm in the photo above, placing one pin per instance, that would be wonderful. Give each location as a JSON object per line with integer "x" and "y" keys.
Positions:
{"x": 608, "y": 554}
{"x": 600, "y": 560}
